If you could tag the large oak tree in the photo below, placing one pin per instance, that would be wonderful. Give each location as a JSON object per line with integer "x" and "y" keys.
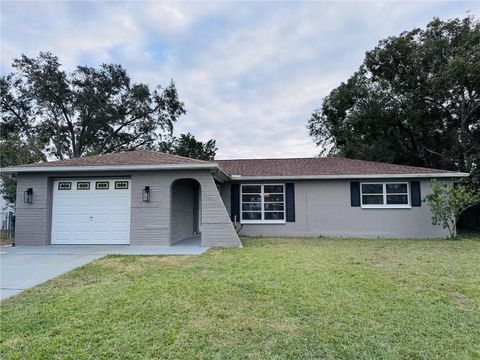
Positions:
{"x": 90, "y": 110}
{"x": 415, "y": 100}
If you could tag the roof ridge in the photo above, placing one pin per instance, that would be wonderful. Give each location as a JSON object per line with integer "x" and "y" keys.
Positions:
{"x": 159, "y": 152}
{"x": 308, "y": 158}
{"x": 288, "y": 158}
{"x": 179, "y": 156}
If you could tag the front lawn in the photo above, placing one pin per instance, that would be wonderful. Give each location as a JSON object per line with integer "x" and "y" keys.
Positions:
{"x": 275, "y": 298}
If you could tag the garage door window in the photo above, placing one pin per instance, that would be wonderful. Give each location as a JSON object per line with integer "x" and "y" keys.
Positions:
{"x": 121, "y": 185}
{"x": 102, "y": 185}
{"x": 64, "y": 185}
{"x": 83, "y": 185}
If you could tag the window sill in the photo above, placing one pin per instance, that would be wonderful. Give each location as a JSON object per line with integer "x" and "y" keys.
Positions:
{"x": 262, "y": 222}
{"x": 386, "y": 206}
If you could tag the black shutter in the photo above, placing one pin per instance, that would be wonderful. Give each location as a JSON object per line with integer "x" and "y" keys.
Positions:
{"x": 290, "y": 201}
{"x": 235, "y": 202}
{"x": 415, "y": 193}
{"x": 355, "y": 193}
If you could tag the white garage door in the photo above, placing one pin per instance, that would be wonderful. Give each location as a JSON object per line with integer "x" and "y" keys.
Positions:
{"x": 91, "y": 211}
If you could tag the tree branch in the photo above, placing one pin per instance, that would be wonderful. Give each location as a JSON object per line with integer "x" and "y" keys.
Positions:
{"x": 26, "y": 128}
{"x": 131, "y": 121}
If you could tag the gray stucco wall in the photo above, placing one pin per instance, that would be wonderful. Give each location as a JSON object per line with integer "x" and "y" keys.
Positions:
{"x": 323, "y": 209}
{"x": 32, "y": 223}
{"x": 150, "y": 221}
{"x": 183, "y": 208}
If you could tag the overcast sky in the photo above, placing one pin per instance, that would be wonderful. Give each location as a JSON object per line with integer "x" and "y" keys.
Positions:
{"x": 250, "y": 73}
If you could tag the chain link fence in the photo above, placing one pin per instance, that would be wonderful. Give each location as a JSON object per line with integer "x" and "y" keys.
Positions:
{"x": 7, "y": 232}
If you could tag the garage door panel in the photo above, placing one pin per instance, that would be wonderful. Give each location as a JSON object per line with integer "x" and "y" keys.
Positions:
{"x": 69, "y": 219}
{"x": 120, "y": 237}
{"x": 101, "y": 235}
{"x": 82, "y": 206}
{"x": 80, "y": 235}
{"x": 102, "y": 219}
{"x": 109, "y": 203}
{"x": 91, "y": 216}
{"x": 119, "y": 218}
{"x": 63, "y": 234}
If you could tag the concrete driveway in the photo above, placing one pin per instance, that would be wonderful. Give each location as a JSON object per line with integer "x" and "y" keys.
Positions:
{"x": 22, "y": 267}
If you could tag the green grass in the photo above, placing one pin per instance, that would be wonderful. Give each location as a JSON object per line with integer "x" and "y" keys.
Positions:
{"x": 273, "y": 299}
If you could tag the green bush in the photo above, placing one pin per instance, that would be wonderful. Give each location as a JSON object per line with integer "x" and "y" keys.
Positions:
{"x": 448, "y": 202}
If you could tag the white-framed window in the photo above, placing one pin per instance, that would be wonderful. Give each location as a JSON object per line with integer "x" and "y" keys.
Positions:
{"x": 385, "y": 195}
{"x": 262, "y": 203}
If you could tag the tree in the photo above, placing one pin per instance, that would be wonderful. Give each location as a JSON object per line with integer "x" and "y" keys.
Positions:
{"x": 14, "y": 152}
{"x": 448, "y": 202}
{"x": 87, "y": 111}
{"x": 415, "y": 100}
{"x": 187, "y": 145}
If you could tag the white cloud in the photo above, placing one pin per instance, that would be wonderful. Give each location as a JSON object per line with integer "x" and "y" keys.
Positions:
{"x": 250, "y": 73}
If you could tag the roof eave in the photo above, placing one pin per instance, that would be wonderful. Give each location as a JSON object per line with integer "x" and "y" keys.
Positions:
{"x": 353, "y": 176}
{"x": 85, "y": 168}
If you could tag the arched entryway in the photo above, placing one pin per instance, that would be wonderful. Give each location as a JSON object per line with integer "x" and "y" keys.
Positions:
{"x": 185, "y": 212}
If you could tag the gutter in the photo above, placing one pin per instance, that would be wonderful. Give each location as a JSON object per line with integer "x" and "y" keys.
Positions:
{"x": 353, "y": 176}
{"x": 84, "y": 168}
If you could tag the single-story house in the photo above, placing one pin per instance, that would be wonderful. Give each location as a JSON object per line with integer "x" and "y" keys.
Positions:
{"x": 152, "y": 198}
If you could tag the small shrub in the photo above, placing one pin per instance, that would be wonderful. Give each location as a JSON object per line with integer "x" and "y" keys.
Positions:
{"x": 447, "y": 203}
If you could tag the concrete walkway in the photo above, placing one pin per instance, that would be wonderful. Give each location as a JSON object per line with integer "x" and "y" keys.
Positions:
{"x": 22, "y": 267}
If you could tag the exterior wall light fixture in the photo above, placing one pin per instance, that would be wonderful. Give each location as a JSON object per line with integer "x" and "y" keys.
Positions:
{"x": 28, "y": 196}
{"x": 146, "y": 194}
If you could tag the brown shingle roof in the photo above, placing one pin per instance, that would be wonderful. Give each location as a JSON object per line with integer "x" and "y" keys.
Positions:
{"x": 137, "y": 157}
{"x": 317, "y": 166}
{"x": 247, "y": 167}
